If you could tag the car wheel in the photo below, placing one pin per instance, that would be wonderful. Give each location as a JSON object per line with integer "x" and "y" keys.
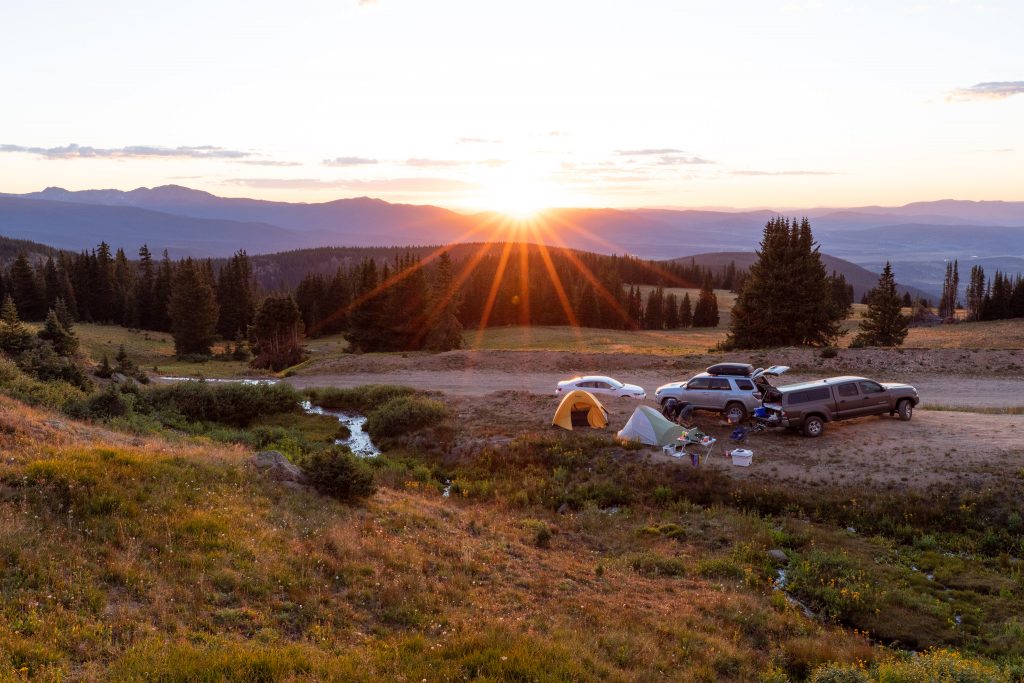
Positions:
{"x": 735, "y": 412}
{"x": 814, "y": 427}
{"x": 905, "y": 409}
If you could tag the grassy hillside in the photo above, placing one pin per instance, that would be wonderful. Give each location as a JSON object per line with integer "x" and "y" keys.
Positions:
{"x": 134, "y": 557}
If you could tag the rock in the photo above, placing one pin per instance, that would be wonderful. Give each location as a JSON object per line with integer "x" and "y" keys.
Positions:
{"x": 275, "y": 465}
{"x": 563, "y": 508}
{"x": 778, "y": 555}
{"x": 118, "y": 378}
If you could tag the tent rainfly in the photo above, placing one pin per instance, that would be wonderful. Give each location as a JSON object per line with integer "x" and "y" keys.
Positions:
{"x": 580, "y": 409}
{"x": 648, "y": 426}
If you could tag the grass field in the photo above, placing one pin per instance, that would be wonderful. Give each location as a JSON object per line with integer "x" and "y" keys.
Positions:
{"x": 153, "y": 352}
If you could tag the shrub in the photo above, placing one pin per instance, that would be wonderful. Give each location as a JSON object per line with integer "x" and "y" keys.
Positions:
{"x": 106, "y": 404}
{"x": 231, "y": 404}
{"x": 404, "y": 414}
{"x": 829, "y": 352}
{"x": 357, "y": 399}
{"x": 337, "y": 473}
{"x": 650, "y": 564}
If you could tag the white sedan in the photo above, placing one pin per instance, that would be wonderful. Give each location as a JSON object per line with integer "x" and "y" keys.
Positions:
{"x": 602, "y": 386}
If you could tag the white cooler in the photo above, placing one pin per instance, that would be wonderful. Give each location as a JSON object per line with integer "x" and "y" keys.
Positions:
{"x": 741, "y": 457}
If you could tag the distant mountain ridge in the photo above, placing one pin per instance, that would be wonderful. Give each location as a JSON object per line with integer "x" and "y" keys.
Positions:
{"x": 194, "y": 222}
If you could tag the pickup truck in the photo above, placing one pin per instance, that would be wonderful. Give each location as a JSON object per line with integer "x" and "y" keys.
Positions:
{"x": 809, "y": 405}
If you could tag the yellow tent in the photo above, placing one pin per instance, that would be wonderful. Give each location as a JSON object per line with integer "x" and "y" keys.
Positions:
{"x": 580, "y": 409}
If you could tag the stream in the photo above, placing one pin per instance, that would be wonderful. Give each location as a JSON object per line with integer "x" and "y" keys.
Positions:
{"x": 358, "y": 441}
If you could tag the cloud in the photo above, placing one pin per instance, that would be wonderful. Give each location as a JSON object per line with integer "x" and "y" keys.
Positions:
{"x": 647, "y": 152}
{"x": 348, "y": 161}
{"x": 364, "y": 3}
{"x": 74, "y": 151}
{"x": 367, "y": 185}
{"x": 994, "y": 90}
{"x": 757, "y": 173}
{"x": 269, "y": 162}
{"x": 677, "y": 160}
{"x": 478, "y": 141}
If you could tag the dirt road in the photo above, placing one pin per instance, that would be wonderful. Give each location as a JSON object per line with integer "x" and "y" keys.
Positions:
{"x": 935, "y": 389}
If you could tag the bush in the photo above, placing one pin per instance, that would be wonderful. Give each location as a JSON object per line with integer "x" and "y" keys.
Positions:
{"x": 337, "y": 473}
{"x": 106, "y": 404}
{"x": 358, "y": 399}
{"x": 231, "y": 404}
{"x": 404, "y": 414}
{"x": 829, "y": 352}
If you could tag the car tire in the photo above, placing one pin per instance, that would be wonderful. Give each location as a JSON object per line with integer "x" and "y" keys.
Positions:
{"x": 905, "y": 409}
{"x": 735, "y": 412}
{"x": 813, "y": 427}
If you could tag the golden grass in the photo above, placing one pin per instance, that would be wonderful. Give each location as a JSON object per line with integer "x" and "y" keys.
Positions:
{"x": 139, "y": 559}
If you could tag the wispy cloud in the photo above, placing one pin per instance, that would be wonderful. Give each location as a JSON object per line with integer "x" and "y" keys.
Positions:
{"x": 373, "y": 184}
{"x": 679, "y": 160}
{"x": 994, "y": 90}
{"x": 796, "y": 172}
{"x": 269, "y": 162}
{"x": 647, "y": 152}
{"x": 349, "y": 161}
{"x": 74, "y": 151}
{"x": 478, "y": 141}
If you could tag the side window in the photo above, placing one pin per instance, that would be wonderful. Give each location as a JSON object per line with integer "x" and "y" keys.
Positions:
{"x": 585, "y": 385}
{"x": 602, "y": 385}
{"x": 871, "y": 387}
{"x": 744, "y": 385}
{"x": 848, "y": 390}
{"x": 808, "y": 395}
{"x": 697, "y": 383}
{"x": 719, "y": 384}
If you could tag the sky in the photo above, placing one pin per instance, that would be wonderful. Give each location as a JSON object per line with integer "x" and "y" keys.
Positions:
{"x": 519, "y": 105}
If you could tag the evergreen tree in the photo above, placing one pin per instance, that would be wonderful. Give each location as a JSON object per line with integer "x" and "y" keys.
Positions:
{"x": 14, "y": 336}
{"x": 64, "y": 341}
{"x": 64, "y": 314}
{"x": 884, "y": 323}
{"x": 26, "y": 290}
{"x": 705, "y": 313}
{"x": 143, "y": 314}
{"x": 124, "y": 290}
{"x": 907, "y": 301}
{"x": 236, "y": 297}
{"x": 685, "y": 311}
{"x": 192, "y": 309}
{"x": 365, "y": 331}
{"x": 975, "y": 294}
{"x": 671, "y": 311}
{"x": 654, "y": 311}
{"x": 444, "y": 329}
{"x": 105, "y": 307}
{"x": 950, "y": 287}
{"x": 161, "y": 318}
{"x": 277, "y": 328}
{"x": 786, "y": 298}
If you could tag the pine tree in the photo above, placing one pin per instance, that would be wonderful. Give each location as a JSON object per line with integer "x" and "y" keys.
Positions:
{"x": 654, "y": 313}
{"x": 786, "y": 298}
{"x": 64, "y": 314}
{"x": 26, "y": 290}
{"x": 365, "y": 317}
{"x": 277, "y": 328}
{"x": 193, "y": 309}
{"x": 64, "y": 341}
{"x": 143, "y": 297}
{"x": 975, "y": 294}
{"x": 705, "y": 313}
{"x": 884, "y": 323}
{"x": 444, "y": 329}
{"x": 105, "y": 307}
{"x": 671, "y": 311}
{"x": 685, "y": 311}
{"x": 950, "y": 287}
{"x": 14, "y": 336}
{"x": 236, "y": 297}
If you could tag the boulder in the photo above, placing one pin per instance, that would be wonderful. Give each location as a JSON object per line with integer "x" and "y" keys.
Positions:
{"x": 778, "y": 555}
{"x": 276, "y": 466}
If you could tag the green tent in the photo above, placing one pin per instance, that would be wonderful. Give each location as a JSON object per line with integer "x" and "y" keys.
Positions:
{"x": 648, "y": 426}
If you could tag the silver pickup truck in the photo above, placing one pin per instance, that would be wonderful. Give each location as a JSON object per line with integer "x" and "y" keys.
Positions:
{"x": 809, "y": 405}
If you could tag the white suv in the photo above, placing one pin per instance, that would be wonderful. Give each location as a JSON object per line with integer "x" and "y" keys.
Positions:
{"x": 734, "y": 389}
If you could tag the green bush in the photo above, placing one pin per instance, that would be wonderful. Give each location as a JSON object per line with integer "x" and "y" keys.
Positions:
{"x": 650, "y": 564}
{"x": 404, "y": 414}
{"x": 337, "y": 473}
{"x": 230, "y": 404}
{"x": 358, "y": 399}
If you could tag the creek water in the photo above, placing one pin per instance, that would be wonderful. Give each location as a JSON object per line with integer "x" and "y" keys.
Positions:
{"x": 358, "y": 441}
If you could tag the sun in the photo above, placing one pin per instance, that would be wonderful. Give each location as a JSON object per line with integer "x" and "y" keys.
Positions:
{"x": 518, "y": 197}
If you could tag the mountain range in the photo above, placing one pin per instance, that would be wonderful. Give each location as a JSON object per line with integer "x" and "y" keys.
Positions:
{"x": 918, "y": 238}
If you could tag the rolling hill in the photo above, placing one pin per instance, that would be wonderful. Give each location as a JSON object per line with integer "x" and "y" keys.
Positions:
{"x": 193, "y": 222}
